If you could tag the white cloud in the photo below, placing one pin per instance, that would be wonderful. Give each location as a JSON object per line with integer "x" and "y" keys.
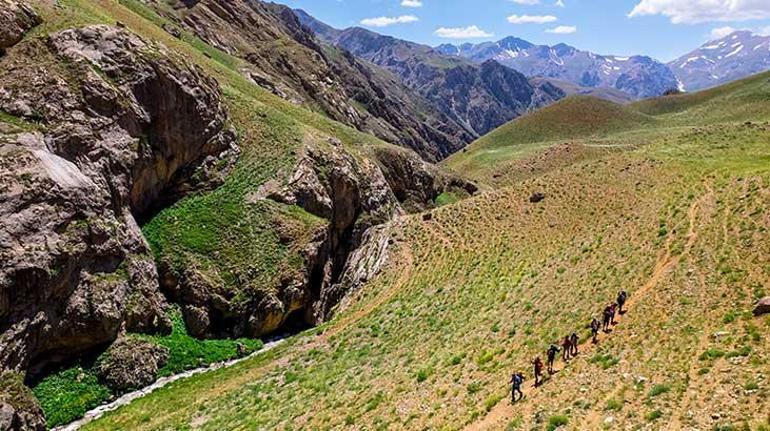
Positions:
{"x": 526, "y": 2}
{"x": 385, "y": 21}
{"x": 721, "y": 32}
{"x": 697, "y": 11}
{"x": 531, "y": 19}
{"x": 559, "y": 3}
{"x": 470, "y": 32}
{"x": 411, "y": 3}
{"x": 562, "y": 29}
{"x": 764, "y": 31}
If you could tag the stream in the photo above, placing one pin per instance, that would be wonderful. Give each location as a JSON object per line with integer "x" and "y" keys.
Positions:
{"x": 127, "y": 398}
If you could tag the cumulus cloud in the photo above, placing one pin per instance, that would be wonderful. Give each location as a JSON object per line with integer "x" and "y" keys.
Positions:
{"x": 531, "y": 19}
{"x": 411, "y": 3}
{"x": 721, "y": 32}
{"x": 562, "y": 29}
{"x": 470, "y": 32}
{"x": 385, "y": 21}
{"x": 559, "y": 3}
{"x": 697, "y": 11}
{"x": 526, "y": 2}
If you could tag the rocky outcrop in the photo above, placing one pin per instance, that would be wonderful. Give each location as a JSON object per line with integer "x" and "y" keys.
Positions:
{"x": 107, "y": 128}
{"x": 19, "y": 409}
{"x": 355, "y": 194}
{"x": 131, "y": 363}
{"x": 762, "y": 307}
{"x": 16, "y": 18}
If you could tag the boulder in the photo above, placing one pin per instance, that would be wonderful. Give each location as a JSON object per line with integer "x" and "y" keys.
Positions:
{"x": 762, "y": 307}
{"x": 19, "y": 409}
{"x": 536, "y": 197}
{"x": 131, "y": 363}
{"x": 118, "y": 128}
{"x": 16, "y": 18}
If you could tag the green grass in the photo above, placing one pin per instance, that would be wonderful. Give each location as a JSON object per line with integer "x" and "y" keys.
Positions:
{"x": 556, "y": 422}
{"x": 66, "y": 395}
{"x": 187, "y": 352}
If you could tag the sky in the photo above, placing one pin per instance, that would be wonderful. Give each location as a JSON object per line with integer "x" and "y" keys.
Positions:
{"x": 662, "y": 29}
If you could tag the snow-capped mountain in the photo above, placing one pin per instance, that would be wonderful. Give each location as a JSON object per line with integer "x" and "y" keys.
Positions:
{"x": 639, "y": 76}
{"x": 735, "y": 56}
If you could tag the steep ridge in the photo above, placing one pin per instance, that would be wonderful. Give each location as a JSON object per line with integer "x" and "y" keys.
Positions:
{"x": 638, "y": 76}
{"x": 285, "y": 58}
{"x": 735, "y": 56}
{"x": 483, "y": 96}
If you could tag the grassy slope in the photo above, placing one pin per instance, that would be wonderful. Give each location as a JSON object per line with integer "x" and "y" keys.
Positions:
{"x": 233, "y": 240}
{"x": 673, "y": 210}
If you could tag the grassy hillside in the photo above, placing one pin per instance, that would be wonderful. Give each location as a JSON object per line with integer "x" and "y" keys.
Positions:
{"x": 672, "y": 210}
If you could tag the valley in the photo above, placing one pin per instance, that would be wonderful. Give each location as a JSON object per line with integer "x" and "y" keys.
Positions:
{"x": 180, "y": 182}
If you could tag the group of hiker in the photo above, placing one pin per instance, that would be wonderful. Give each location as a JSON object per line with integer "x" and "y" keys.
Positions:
{"x": 569, "y": 346}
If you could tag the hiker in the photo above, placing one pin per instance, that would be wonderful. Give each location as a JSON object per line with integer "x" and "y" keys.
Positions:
{"x": 613, "y": 311}
{"x": 606, "y": 316}
{"x": 552, "y": 351}
{"x": 566, "y": 347}
{"x": 538, "y": 363}
{"x": 573, "y": 340}
{"x": 516, "y": 381}
{"x": 595, "y": 329}
{"x": 622, "y": 296}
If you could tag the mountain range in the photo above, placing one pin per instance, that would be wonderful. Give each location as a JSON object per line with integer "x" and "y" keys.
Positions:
{"x": 735, "y": 56}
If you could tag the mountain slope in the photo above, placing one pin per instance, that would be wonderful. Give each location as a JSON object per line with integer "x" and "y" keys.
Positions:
{"x": 735, "y": 56}
{"x": 673, "y": 213}
{"x": 253, "y": 210}
{"x": 481, "y": 97}
{"x": 286, "y": 59}
{"x": 638, "y": 76}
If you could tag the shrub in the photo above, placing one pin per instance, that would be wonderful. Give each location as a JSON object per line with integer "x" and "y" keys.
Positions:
{"x": 653, "y": 415}
{"x": 659, "y": 390}
{"x": 556, "y": 422}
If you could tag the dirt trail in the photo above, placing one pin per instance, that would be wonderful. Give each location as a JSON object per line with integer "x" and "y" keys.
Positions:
{"x": 503, "y": 411}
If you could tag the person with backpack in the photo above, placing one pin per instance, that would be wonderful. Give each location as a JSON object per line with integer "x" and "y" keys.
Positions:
{"x": 573, "y": 340}
{"x": 551, "y": 354}
{"x": 595, "y": 330}
{"x": 606, "y": 318}
{"x": 566, "y": 348}
{"x": 538, "y": 364}
{"x": 622, "y": 296}
{"x": 517, "y": 379}
{"x": 613, "y": 312}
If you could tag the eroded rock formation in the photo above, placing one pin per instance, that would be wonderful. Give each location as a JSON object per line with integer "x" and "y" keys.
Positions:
{"x": 355, "y": 195}
{"x": 105, "y": 127}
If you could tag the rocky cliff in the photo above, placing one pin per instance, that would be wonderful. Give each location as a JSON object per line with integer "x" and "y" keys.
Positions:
{"x": 285, "y": 58}
{"x": 351, "y": 193}
{"x": 98, "y": 128}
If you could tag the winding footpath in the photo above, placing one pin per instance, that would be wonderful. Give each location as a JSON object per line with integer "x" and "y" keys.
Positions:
{"x": 126, "y": 399}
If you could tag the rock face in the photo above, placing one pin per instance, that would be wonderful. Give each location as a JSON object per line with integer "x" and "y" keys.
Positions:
{"x": 762, "y": 307}
{"x": 16, "y": 18}
{"x": 107, "y": 127}
{"x": 286, "y": 59}
{"x": 131, "y": 363}
{"x": 483, "y": 96}
{"x": 354, "y": 195}
{"x": 19, "y": 409}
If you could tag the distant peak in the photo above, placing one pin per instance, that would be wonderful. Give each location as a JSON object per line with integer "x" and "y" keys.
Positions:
{"x": 511, "y": 42}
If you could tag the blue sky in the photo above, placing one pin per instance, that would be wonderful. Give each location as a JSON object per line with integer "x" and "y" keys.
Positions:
{"x": 664, "y": 29}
